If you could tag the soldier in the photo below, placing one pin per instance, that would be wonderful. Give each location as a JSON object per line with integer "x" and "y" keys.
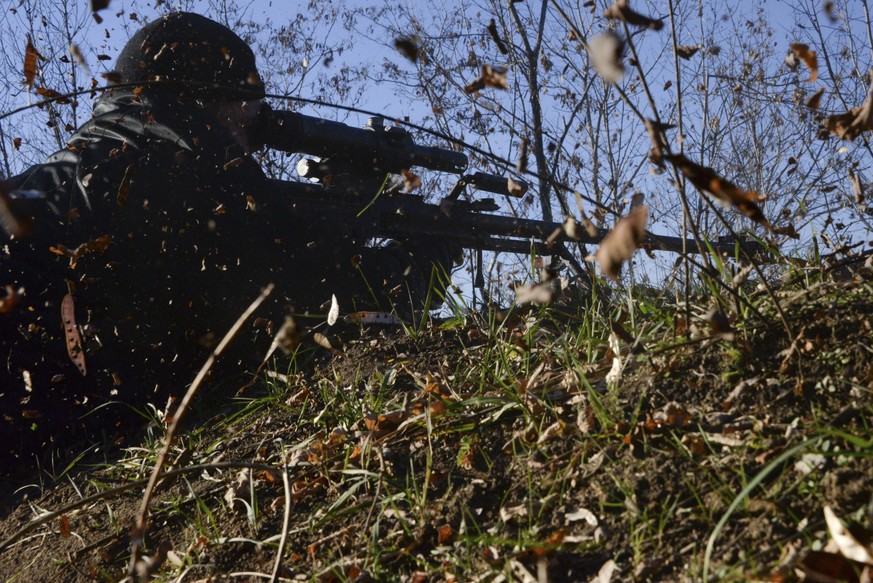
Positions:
{"x": 159, "y": 228}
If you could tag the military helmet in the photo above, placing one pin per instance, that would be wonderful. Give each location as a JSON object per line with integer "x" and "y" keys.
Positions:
{"x": 197, "y": 56}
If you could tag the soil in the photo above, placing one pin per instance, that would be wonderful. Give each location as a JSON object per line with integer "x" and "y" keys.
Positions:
{"x": 560, "y": 483}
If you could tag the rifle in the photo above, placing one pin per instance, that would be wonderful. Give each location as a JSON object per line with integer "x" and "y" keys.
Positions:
{"x": 349, "y": 181}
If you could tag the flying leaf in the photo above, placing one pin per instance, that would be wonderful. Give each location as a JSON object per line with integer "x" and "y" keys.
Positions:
{"x": 706, "y": 180}
{"x": 858, "y": 119}
{"x": 857, "y": 187}
{"x": 606, "y": 50}
{"x": 322, "y": 340}
{"x": 14, "y": 220}
{"x": 333, "y": 313}
{"x": 99, "y": 5}
{"x": 408, "y": 47}
{"x": 495, "y": 36}
{"x": 410, "y": 181}
{"x": 619, "y": 245}
{"x": 815, "y": 99}
{"x": 11, "y": 300}
{"x": 492, "y": 76}
{"x": 521, "y": 166}
{"x": 514, "y": 188}
{"x": 540, "y": 293}
{"x": 846, "y": 543}
{"x": 686, "y": 52}
{"x": 808, "y": 56}
{"x": 30, "y": 57}
{"x": 619, "y": 10}
{"x": 658, "y": 136}
{"x": 112, "y": 76}
{"x": 80, "y": 58}
{"x": 71, "y": 332}
{"x": 52, "y": 94}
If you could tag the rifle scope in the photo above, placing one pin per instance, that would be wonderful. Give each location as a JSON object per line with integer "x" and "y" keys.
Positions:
{"x": 373, "y": 148}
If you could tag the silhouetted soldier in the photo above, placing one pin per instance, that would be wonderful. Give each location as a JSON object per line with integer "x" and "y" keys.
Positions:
{"x": 160, "y": 228}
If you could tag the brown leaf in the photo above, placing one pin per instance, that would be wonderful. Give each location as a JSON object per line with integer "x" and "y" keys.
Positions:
{"x": 857, "y": 187}
{"x": 815, "y": 99}
{"x": 408, "y": 47}
{"x": 124, "y": 187}
{"x": 30, "y": 57}
{"x": 521, "y": 166}
{"x": 660, "y": 146}
{"x": 13, "y": 219}
{"x": 492, "y": 76}
{"x": 445, "y": 534}
{"x": 65, "y": 526}
{"x": 808, "y": 56}
{"x": 605, "y": 51}
{"x": 16, "y": 143}
{"x": 322, "y": 340}
{"x": 75, "y": 350}
{"x": 619, "y": 245}
{"x": 410, "y": 181}
{"x": 112, "y": 76}
{"x": 788, "y": 230}
{"x": 52, "y": 94}
{"x": 858, "y": 119}
{"x": 80, "y": 58}
{"x": 99, "y": 5}
{"x": 540, "y": 293}
{"x": 706, "y": 180}
{"x": 10, "y": 301}
{"x": 495, "y": 36}
{"x": 514, "y": 188}
{"x": 619, "y": 10}
{"x": 686, "y": 52}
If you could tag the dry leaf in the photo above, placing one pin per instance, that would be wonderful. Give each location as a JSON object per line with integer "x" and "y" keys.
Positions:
{"x": 333, "y": 313}
{"x": 492, "y": 76}
{"x": 98, "y": 245}
{"x": 514, "y": 188}
{"x": 408, "y": 47}
{"x": 788, "y": 231}
{"x": 65, "y": 526}
{"x": 846, "y": 543}
{"x": 686, "y": 52}
{"x": 75, "y": 350}
{"x": 410, "y": 181}
{"x": 80, "y": 58}
{"x": 706, "y": 180}
{"x": 13, "y": 219}
{"x": 606, "y": 50}
{"x": 112, "y": 76}
{"x": 658, "y": 137}
{"x": 540, "y": 293}
{"x": 30, "y": 57}
{"x": 804, "y": 53}
{"x": 99, "y": 5}
{"x": 619, "y": 10}
{"x": 858, "y": 119}
{"x": 815, "y": 99}
{"x": 522, "y": 156}
{"x": 619, "y": 245}
{"x": 52, "y": 94}
{"x": 495, "y": 36}
{"x": 857, "y": 187}
{"x": 124, "y": 187}
{"x": 445, "y": 534}
{"x": 322, "y": 340}
{"x": 11, "y": 300}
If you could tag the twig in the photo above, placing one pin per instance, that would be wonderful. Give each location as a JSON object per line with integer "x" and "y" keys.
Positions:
{"x": 141, "y": 524}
